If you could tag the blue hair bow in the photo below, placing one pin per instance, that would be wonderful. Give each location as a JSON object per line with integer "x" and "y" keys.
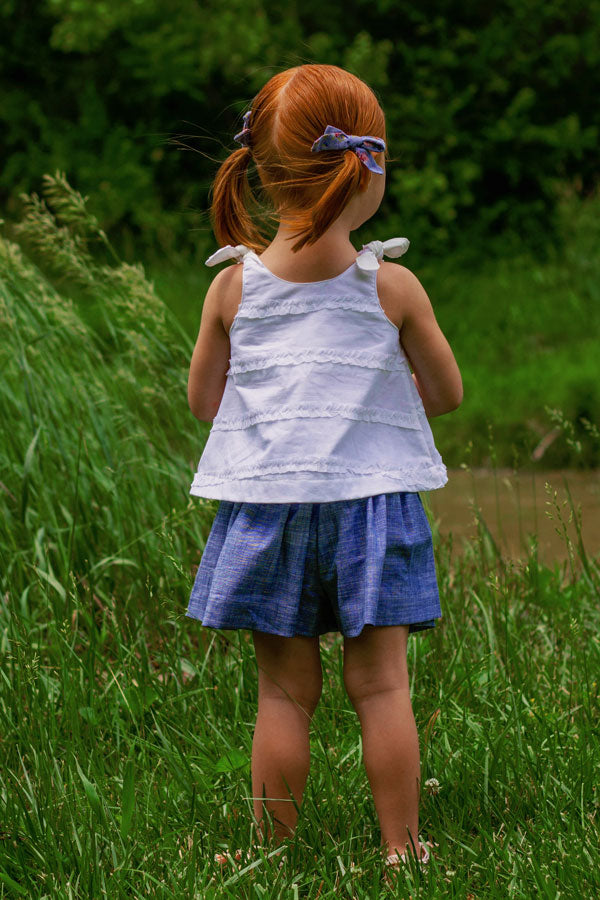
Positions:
{"x": 243, "y": 137}
{"x": 363, "y": 146}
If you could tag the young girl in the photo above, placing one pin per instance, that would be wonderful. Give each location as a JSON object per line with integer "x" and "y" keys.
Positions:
{"x": 320, "y": 440}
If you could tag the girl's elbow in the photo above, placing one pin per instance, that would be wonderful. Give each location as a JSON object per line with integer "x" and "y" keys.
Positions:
{"x": 199, "y": 411}
{"x": 458, "y": 398}
{"x": 452, "y": 404}
{"x": 454, "y": 397}
{"x": 442, "y": 406}
{"x": 195, "y": 409}
{"x": 201, "y": 414}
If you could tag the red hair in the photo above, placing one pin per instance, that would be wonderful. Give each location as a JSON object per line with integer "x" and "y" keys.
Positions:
{"x": 309, "y": 190}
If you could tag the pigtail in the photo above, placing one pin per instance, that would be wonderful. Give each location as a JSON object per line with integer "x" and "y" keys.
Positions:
{"x": 305, "y": 190}
{"x": 232, "y": 198}
{"x": 352, "y": 176}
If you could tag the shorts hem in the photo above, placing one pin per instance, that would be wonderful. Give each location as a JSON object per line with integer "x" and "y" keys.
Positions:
{"x": 414, "y": 627}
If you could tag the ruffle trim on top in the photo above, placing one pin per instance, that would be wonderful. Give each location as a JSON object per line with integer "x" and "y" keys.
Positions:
{"x": 389, "y": 362}
{"x": 263, "y": 308}
{"x": 318, "y": 410}
{"x": 419, "y": 472}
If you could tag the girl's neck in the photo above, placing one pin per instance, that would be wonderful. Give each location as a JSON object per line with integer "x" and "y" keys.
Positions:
{"x": 327, "y": 257}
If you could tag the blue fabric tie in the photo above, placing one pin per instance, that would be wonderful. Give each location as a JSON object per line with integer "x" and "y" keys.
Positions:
{"x": 243, "y": 136}
{"x": 363, "y": 146}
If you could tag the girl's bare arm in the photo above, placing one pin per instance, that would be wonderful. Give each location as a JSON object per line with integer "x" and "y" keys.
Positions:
{"x": 435, "y": 371}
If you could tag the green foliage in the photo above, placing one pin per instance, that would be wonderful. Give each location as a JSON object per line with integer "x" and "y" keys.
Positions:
{"x": 524, "y": 336}
{"x": 488, "y": 108}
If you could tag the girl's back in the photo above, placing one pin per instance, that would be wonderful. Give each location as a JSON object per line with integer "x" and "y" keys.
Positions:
{"x": 319, "y": 403}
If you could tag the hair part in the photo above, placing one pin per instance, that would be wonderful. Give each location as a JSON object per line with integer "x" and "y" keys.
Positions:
{"x": 306, "y": 190}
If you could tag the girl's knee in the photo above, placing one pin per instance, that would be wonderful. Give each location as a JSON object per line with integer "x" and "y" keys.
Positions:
{"x": 300, "y": 699}
{"x": 289, "y": 668}
{"x": 375, "y": 661}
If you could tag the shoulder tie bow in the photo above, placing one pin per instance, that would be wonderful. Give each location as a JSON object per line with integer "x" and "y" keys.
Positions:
{"x": 228, "y": 252}
{"x": 371, "y": 253}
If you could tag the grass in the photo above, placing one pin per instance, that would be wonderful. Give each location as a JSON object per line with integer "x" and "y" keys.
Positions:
{"x": 126, "y": 729}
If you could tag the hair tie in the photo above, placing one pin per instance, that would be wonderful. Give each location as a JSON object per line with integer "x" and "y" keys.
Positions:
{"x": 243, "y": 137}
{"x": 336, "y": 139}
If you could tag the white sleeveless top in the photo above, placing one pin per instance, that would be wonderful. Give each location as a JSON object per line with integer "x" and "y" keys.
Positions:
{"x": 319, "y": 402}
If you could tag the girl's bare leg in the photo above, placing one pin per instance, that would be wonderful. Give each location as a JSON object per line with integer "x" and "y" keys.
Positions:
{"x": 376, "y": 679}
{"x": 289, "y": 687}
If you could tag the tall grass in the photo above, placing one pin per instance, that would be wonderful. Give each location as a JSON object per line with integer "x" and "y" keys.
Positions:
{"x": 126, "y": 729}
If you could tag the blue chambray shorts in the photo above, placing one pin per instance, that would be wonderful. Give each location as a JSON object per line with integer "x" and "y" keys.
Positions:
{"x": 309, "y": 568}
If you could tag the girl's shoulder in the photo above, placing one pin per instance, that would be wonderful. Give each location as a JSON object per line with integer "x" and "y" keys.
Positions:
{"x": 397, "y": 288}
{"x": 230, "y": 274}
{"x": 228, "y": 281}
{"x": 226, "y": 287}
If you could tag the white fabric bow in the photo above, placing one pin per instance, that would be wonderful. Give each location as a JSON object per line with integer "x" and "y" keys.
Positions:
{"x": 368, "y": 257}
{"x": 371, "y": 253}
{"x": 227, "y": 252}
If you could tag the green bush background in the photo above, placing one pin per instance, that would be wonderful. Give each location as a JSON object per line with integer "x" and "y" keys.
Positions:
{"x": 489, "y": 107}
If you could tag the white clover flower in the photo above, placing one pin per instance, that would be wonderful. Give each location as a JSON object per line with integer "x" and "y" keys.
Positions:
{"x": 432, "y": 786}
